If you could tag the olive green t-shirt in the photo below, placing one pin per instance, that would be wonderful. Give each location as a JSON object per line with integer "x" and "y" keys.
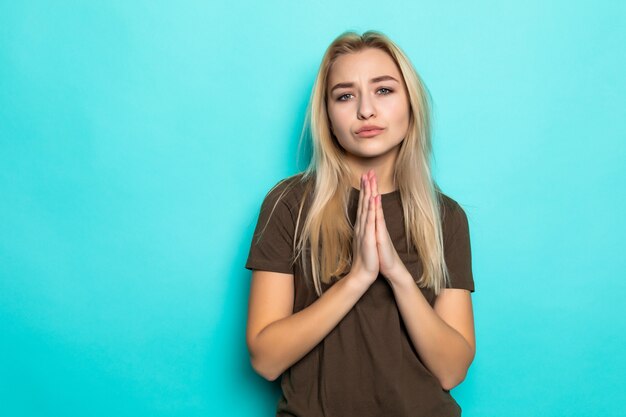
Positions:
{"x": 367, "y": 365}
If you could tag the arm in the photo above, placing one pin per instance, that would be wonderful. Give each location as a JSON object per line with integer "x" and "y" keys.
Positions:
{"x": 277, "y": 338}
{"x": 443, "y": 336}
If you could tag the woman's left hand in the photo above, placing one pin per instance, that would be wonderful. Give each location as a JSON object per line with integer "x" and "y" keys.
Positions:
{"x": 390, "y": 264}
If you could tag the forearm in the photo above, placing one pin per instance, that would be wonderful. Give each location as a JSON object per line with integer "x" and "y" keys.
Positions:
{"x": 285, "y": 341}
{"x": 444, "y": 351}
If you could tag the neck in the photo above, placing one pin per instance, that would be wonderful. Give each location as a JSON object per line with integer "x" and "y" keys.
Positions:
{"x": 382, "y": 166}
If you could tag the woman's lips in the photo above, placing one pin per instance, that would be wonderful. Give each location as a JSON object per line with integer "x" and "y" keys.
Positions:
{"x": 369, "y": 133}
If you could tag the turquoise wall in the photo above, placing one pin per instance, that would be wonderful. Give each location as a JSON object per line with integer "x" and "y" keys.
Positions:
{"x": 137, "y": 140}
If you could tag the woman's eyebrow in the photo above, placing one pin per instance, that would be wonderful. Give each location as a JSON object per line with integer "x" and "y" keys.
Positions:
{"x": 372, "y": 81}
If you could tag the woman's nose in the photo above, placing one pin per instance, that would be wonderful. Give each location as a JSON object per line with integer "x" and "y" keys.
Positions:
{"x": 365, "y": 109}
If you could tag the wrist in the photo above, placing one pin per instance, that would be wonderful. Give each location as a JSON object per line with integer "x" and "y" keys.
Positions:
{"x": 401, "y": 279}
{"x": 357, "y": 281}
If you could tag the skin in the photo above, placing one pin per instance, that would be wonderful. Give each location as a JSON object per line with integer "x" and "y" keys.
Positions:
{"x": 444, "y": 335}
{"x": 384, "y": 103}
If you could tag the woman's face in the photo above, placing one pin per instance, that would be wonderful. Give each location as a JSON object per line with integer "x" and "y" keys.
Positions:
{"x": 366, "y": 90}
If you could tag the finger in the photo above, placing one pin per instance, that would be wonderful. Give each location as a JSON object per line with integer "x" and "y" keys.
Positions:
{"x": 374, "y": 182}
{"x": 366, "y": 203}
{"x": 363, "y": 218}
{"x": 368, "y": 196}
{"x": 371, "y": 217}
{"x": 359, "y": 209}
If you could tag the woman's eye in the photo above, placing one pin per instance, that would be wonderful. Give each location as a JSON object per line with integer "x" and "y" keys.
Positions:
{"x": 382, "y": 91}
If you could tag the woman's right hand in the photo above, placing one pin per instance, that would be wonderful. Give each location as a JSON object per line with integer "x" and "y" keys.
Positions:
{"x": 365, "y": 265}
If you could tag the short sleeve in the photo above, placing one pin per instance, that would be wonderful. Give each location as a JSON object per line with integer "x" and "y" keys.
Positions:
{"x": 272, "y": 242}
{"x": 457, "y": 250}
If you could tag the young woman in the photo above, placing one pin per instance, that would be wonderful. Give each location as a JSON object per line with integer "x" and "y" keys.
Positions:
{"x": 360, "y": 294}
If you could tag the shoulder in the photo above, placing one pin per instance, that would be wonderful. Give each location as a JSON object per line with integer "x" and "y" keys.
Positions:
{"x": 288, "y": 192}
{"x": 453, "y": 216}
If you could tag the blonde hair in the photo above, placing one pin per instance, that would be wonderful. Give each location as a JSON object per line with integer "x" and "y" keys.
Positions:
{"x": 327, "y": 177}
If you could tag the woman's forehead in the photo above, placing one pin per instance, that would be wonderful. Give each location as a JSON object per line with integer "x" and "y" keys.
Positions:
{"x": 364, "y": 65}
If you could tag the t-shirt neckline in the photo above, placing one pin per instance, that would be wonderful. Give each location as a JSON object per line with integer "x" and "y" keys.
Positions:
{"x": 354, "y": 192}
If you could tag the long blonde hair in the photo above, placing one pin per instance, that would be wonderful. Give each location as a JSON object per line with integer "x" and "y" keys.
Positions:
{"x": 327, "y": 177}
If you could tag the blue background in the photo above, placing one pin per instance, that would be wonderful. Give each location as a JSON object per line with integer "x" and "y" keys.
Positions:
{"x": 138, "y": 139}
